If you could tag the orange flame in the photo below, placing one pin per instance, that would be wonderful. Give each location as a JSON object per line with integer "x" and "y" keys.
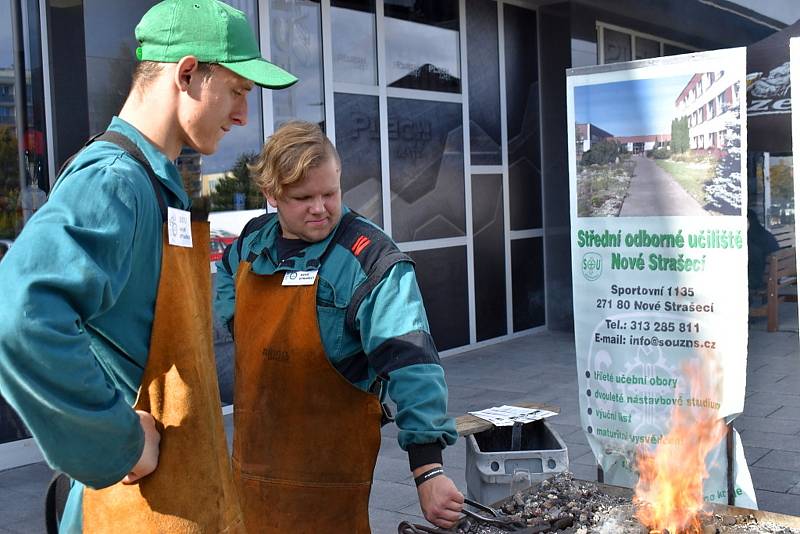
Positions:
{"x": 669, "y": 494}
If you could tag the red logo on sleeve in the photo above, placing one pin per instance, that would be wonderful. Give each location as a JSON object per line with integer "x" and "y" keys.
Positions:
{"x": 361, "y": 243}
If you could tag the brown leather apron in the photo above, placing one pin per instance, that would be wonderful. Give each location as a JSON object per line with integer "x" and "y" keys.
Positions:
{"x": 192, "y": 490}
{"x": 305, "y": 439}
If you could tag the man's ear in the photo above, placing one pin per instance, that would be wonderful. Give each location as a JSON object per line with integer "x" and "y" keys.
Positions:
{"x": 271, "y": 199}
{"x": 184, "y": 71}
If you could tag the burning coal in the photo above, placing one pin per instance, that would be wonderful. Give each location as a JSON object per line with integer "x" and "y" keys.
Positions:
{"x": 566, "y": 505}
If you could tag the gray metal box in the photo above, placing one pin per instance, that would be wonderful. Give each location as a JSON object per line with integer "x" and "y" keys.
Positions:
{"x": 491, "y": 462}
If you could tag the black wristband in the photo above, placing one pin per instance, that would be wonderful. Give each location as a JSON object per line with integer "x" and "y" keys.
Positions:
{"x": 429, "y": 474}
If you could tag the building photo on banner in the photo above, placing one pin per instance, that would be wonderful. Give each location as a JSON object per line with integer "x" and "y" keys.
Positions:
{"x": 659, "y": 265}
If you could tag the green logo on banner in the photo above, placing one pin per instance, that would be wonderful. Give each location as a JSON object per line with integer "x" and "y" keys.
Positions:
{"x": 592, "y": 266}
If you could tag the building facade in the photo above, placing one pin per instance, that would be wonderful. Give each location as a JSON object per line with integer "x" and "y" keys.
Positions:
{"x": 449, "y": 115}
{"x": 705, "y": 101}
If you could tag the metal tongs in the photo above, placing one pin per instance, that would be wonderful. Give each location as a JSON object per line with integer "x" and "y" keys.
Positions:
{"x": 497, "y": 518}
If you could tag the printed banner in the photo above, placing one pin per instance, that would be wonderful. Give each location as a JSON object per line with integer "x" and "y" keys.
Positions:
{"x": 659, "y": 253}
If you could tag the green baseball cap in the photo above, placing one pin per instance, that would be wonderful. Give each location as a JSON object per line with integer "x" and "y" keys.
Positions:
{"x": 213, "y": 32}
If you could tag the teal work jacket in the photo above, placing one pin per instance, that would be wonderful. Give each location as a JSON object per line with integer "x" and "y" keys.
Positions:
{"x": 386, "y": 334}
{"x": 78, "y": 296}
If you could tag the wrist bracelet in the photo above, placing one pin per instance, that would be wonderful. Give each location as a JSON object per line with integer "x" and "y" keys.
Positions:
{"x": 427, "y": 475}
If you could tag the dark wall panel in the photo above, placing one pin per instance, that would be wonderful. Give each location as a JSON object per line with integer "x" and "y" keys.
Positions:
{"x": 442, "y": 277}
{"x": 69, "y": 85}
{"x": 359, "y": 145}
{"x": 555, "y": 59}
{"x": 522, "y": 112}
{"x": 426, "y": 166}
{"x": 527, "y": 283}
{"x": 490, "y": 263}
{"x": 484, "y": 83}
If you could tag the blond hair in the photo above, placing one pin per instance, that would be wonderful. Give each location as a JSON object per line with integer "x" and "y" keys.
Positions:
{"x": 289, "y": 153}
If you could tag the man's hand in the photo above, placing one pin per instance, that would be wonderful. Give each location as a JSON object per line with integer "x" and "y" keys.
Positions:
{"x": 440, "y": 500}
{"x": 148, "y": 461}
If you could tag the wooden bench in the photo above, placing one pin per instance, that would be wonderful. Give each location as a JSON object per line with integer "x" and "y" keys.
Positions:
{"x": 780, "y": 276}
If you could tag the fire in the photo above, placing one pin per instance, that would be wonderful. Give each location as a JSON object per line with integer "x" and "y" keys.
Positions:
{"x": 669, "y": 494}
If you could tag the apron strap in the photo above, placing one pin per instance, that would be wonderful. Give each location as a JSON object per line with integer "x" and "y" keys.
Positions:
{"x": 130, "y": 147}
{"x": 125, "y": 143}
{"x": 344, "y": 223}
{"x": 55, "y": 500}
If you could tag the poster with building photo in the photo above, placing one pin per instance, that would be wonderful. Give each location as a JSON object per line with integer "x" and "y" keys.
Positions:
{"x": 659, "y": 258}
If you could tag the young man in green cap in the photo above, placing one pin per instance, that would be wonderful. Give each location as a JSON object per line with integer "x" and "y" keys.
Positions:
{"x": 105, "y": 349}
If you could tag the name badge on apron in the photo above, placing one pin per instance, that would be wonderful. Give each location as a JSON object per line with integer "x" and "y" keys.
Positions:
{"x": 179, "y": 227}
{"x": 299, "y": 278}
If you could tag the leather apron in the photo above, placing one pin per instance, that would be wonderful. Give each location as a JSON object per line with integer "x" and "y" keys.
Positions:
{"x": 192, "y": 489}
{"x": 305, "y": 439}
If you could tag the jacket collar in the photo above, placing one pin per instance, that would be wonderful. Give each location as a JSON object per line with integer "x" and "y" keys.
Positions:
{"x": 165, "y": 169}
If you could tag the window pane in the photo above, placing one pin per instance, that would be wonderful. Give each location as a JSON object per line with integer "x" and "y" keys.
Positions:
{"x": 23, "y": 174}
{"x": 353, "y": 36}
{"x": 647, "y": 48}
{"x": 484, "y": 83}
{"x": 222, "y": 179}
{"x": 672, "y": 50}
{"x": 422, "y": 45}
{"x": 110, "y": 55}
{"x": 522, "y": 118}
{"x": 359, "y": 146}
{"x": 442, "y": 278}
{"x": 527, "y": 282}
{"x": 781, "y": 210}
{"x": 490, "y": 257}
{"x": 296, "y": 45}
{"x": 24, "y": 178}
{"x": 616, "y": 46}
{"x": 426, "y": 164}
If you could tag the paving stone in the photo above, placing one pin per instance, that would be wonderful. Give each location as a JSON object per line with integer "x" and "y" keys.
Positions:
{"x": 576, "y": 451}
{"x": 788, "y": 386}
{"x": 766, "y": 398}
{"x": 571, "y": 434}
{"x": 27, "y": 527}
{"x": 392, "y": 470}
{"x": 385, "y": 522}
{"x": 761, "y": 410}
{"x": 754, "y": 454}
{"x": 788, "y": 365}
{"x": 789, "y": 413}
{"x": 774, "y": 423}
{"x": 764, "y": 381}
{"x": 392, "y": 496}
{"x": 782, "y": 503}
{"x": 773, "y": 479}
{"x": 779, "y": 460}
{"x": 770, "y": 440}
{"x": 586, "y": 459}
{"x": 26, "y": 475}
